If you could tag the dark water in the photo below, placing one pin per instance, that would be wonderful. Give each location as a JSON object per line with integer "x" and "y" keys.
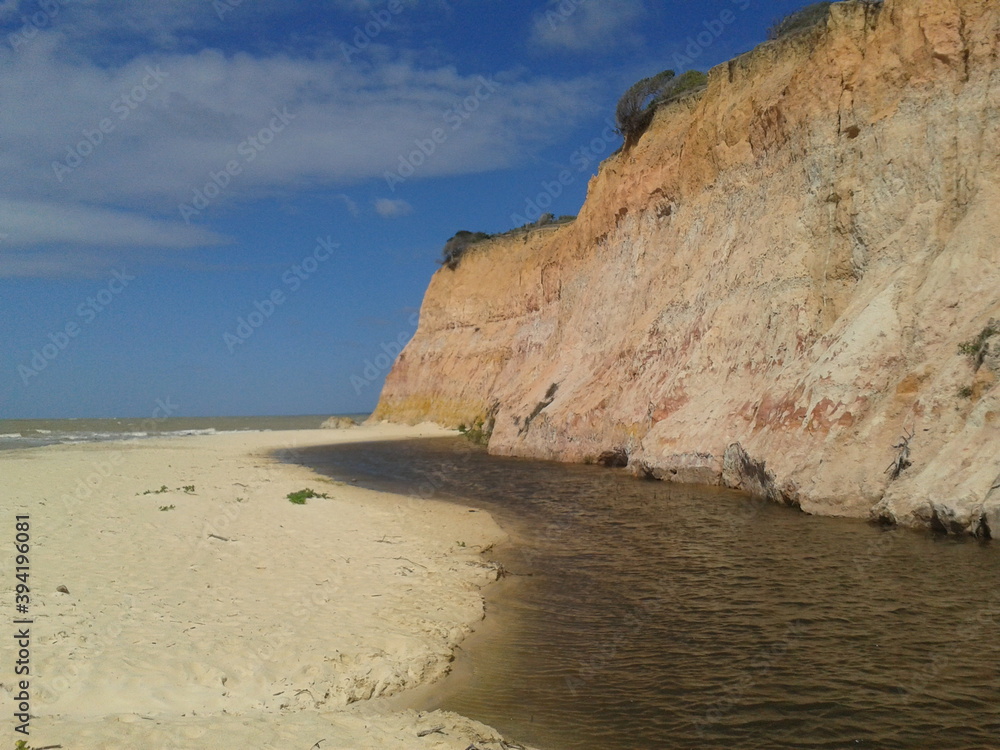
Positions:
{"x": 661, "y": 616}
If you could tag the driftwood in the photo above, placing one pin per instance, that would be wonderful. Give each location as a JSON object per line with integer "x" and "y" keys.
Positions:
{"x": 902, "y": 460}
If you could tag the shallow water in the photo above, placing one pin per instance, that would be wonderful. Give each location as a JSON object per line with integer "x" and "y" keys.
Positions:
{"x": 649, "y": 615}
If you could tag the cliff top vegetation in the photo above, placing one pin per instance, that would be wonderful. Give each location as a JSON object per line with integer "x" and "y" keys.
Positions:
{"x": 638, "y": 105}
{"x": 463, "y": 241}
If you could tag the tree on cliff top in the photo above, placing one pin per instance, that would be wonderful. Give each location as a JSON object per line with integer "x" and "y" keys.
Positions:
{"x": 458, "y": 245}
{"x": 800, "y": 20}
{"x": 638, "y": 105}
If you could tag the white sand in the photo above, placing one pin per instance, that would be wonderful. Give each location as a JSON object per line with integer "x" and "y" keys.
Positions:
{"x": 271, "y": 636}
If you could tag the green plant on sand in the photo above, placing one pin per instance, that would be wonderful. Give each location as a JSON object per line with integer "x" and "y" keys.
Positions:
{"x": 300, "y": 497}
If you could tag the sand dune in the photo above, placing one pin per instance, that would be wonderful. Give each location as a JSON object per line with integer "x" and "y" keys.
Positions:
{"x": 233, "y": 618}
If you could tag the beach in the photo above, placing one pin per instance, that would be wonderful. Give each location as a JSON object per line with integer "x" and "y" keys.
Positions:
{"x": 178, "y": 599}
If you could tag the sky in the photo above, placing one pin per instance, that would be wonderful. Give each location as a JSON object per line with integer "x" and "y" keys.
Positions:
{"x": 234, "y": 207}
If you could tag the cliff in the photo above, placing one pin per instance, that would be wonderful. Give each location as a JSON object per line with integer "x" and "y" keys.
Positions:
{"x": 769, "y": 291}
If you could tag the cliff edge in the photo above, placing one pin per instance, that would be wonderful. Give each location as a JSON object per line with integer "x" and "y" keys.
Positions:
{"x": 769, "y": 291}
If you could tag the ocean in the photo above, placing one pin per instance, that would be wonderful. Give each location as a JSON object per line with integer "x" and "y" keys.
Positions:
{"x": 30, "y": 433}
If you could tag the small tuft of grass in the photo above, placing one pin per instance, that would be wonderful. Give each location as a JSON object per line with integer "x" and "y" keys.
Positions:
{"x": 965, "y": 391}
{"x": 189, "y": 489}
{"x": 479, "y": 433}
{"x": 300, "y": 497}
{"x": 167, "y": 507}
{"x": 978, "y": 348}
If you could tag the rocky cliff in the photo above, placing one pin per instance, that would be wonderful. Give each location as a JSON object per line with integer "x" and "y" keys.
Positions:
{"x": 769, "y": 291}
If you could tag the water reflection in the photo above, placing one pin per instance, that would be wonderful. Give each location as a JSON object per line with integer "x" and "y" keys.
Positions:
{"x": 650, "y": 615}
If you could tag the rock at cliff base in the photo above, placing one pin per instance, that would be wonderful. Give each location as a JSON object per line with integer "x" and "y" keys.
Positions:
{"x": 339, "y": 423}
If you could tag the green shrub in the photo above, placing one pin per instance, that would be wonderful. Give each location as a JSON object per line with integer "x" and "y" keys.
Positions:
{"x": 977, "y": 349}
{"x": 637, "y": 106}
{"x": 800, "y": 20}
{"x": 684, "y": 84}
{"x": 456, "y": 248}
{"x": 479, "y": 433}
{"x": 459, "y": 245}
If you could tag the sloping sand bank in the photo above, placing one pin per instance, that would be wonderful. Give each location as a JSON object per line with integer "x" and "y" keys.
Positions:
{"x": 224, "y": 616}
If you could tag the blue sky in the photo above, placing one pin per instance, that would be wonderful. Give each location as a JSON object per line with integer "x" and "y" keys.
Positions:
{"x": 237, "y": 205}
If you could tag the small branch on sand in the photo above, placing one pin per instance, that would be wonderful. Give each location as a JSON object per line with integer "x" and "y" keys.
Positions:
{"x": 385, "y": 540}
{"x": 216, "y": 536}
{"x": 316, "y": 746}
{"x": 437, "y": 730}
{"x": 410, "y": 561}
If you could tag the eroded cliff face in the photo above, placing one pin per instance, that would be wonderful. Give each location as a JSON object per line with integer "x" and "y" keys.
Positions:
{"x": 769, "y": 290}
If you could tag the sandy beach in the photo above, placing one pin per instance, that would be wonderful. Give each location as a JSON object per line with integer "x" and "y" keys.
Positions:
{"x": 218, "y": 614}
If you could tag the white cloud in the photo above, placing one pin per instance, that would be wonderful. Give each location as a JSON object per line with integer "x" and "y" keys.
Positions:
{"x": 587, "y": 24}
{"x": 390, "y": 209}
{"x": 55, "y": 264}
{"x": 27, "y": 223}
{"x": 103, "y": 148}
{"x": 343, "y": 125}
